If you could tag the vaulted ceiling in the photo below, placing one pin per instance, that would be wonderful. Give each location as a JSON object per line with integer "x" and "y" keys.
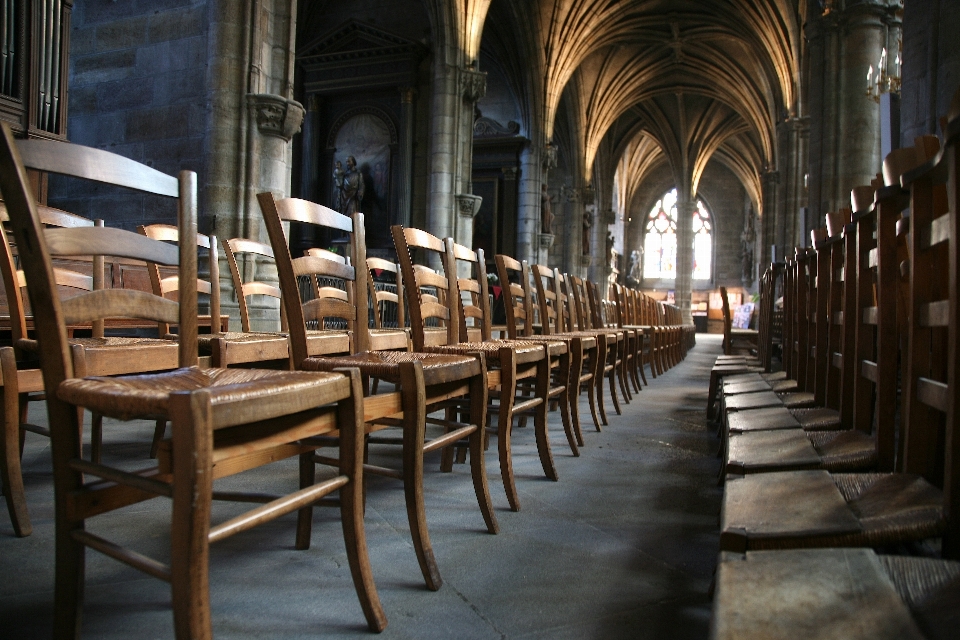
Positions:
{"x": 676, "y": 81}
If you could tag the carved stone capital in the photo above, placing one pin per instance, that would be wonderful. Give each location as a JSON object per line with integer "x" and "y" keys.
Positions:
{"x": 569, "y": 194}
{"x": 509, "y": 173}
{"x": 549, "y": 156}
{"x": 276, "y": 116}
{"x": 473, "y": 84}
{"x": 585, "y": 261}
{"x": 407, "y": 95}
{"x": 546, "y": 241}
{"x": 468, "y": 204}
{"x": 588, "y": 195}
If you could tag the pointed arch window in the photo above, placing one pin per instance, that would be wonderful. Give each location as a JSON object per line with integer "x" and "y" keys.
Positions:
{"x": 660, "y": 240}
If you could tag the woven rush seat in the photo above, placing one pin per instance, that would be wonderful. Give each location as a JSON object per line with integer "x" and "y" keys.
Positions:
{"x": 919, "y": 581}
{"x": 817, "y": 418}
{"x": 817, "y": 509}
{"x": 147, "y": 396}
{"x": 525, "y": 350}
{"x": 385, "y": 365}
{"x": 845, "y": 450}
{"x": 112, "y": 342}
{"x": 761, "y": 420}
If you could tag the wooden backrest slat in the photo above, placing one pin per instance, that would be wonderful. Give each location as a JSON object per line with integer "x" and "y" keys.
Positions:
{"x": 97, "y": 165}
{"x": 298, "y": 210}
{"x": 107, "y": 241}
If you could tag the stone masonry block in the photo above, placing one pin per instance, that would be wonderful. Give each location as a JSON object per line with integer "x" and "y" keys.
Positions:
{"x": 102, "y": 67}
{"x": 124, "y": 94}
{"x": 156, "y": 124}
{"x": 123, "y": 34}
{"x": 176, "y": 25}
{"x": 83, "y": 100}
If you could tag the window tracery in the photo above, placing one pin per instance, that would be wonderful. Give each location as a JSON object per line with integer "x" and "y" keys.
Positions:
{"x": 660, "y": 240}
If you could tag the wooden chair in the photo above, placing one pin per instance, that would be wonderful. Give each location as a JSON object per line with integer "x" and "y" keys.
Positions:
{"x": 584, "y": 348}
{"x": 850, "y": 509}
{"x": 476, "y": 323}
{"x": 736, "y": 339}
{"x": 509, "y": 363}
{"x": 224, "y": 421}
{"x": 21, "y": 376}
{"x": 633, "y": 351}
{"x": 425, "y": 381}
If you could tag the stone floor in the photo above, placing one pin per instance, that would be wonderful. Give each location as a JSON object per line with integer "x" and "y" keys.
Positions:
{"x": 624, "y": 545}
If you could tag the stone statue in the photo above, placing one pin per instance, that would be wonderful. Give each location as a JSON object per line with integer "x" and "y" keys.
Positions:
{"x": 546, "y": 212}
{"x": 746, "y": 255}
{"x": 587, "y": 224}
{"x": 636, "y": 265}
{"x": 337, "y": 184}
{"x": 349, "y": 188}
{"x": 611, "y": 253}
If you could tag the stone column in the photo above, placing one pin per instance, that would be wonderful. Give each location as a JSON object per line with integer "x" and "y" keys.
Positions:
{"x": 528, "y": 205}
{"x": 473, "y": 86}
{"x": 443, "y": 144}
{"x": 770, "y": 223}
{"x": 405, "y": 188}
{"x": 589, "y": 262}
{"x": 859, "y": 141}
{"x": 793, "y": 135}
{"x": 572, "y": 214}
{"x": 684, "y": 281}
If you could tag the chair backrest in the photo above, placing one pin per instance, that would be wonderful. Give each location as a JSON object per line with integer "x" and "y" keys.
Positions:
{"x": 347, "y": 304}
{"x": 515, "y": 279}
{"x": 439, "y": 306}
{"x": 549, "y": 298}
{"x": 381, "y": 298}
{"x": 249, "y": 253}
{"x": 473, "y": 302}
{"x": 70, "y": 278}
{"x": 164, "y": 286}
{"x": 928, "y": 385}
{"x": 580, "y": 309}
{"x": 36, "y": 247}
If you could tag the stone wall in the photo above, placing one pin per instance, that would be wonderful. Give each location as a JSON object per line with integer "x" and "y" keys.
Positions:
{"x": 931, "y": 65}
{"x": 137, "y": 88}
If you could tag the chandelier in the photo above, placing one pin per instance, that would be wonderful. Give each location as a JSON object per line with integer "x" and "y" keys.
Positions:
{"x": 881, "y": 81}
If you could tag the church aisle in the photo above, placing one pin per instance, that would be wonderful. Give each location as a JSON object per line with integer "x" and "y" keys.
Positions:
{"x": 623, "y": 546}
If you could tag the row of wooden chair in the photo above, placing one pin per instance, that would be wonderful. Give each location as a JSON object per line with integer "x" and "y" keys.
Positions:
{"x": 849, "y": 455}
{"x": 316, "y": 395}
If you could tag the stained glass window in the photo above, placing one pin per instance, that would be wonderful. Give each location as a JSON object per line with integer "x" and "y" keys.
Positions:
{"x": 660, "y": 240}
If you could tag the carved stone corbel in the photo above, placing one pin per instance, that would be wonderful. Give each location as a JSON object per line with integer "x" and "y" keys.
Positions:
{"x": 473, "y": 84}
{"x": 468, "y": 205}
{"x": 276, "y": 116}
{"x": 549, "y": 156}
{"x": 588, "y": 195}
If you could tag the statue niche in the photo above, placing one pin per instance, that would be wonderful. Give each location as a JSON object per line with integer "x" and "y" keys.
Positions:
{"x": 360, "y": 180}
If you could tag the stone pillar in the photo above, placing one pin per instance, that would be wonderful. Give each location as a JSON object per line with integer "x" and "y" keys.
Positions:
{"x": 590, "y": 261}
{"x": 443, "y": 144}
{"x": 508, "y": 239}
{"x": 405, "y": 188}
{"x": 473, "y": 86}
{"x": 859, "y": 141}
{"x": 793, "y": 161}
{"x": 528, "y": 205}
{"x": 684, "y": 282}
{"x": 572, "y": 214}
{"x": 772, "y": 223}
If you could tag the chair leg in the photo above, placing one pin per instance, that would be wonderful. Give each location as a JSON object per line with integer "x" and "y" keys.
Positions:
{"x": 641, "y": 360}
{"x": 613, "y": 389}
{"x": 508, "y": 390}
{"x": 621, "y": 369}
{"x": 573, "y": 388}
{"x": 598, "y": 376}
{"x": 191, "y": 418}
{"x": 10, "y": 472}
{"x": 308, "y": 476}
{"x": 563, "y": 375}
{"x": 96, "y": 436}
{"x": 540, "y": 419}
{"x": 413, "y": 399}
{"x": 158, "y": 432}
{"x": 478, "y": 467}
{"x": 350, "y": 420}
